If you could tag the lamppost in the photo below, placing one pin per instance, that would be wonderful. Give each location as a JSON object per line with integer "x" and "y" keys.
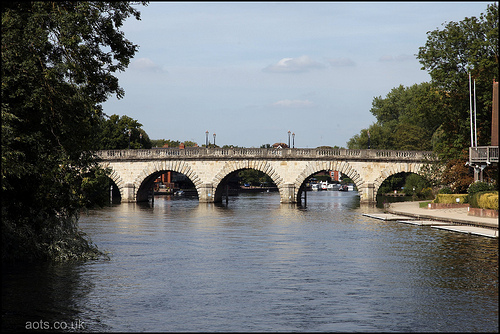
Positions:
{"x": 293, "y": 140}
{"x": 140, "y": 140}
{"x": 206, "y": 139}
{"x": 368, "y": 139}
{"x": 214, "y": 140}
{"x": 129, "y": 134}
{"x": 289, "y": 138}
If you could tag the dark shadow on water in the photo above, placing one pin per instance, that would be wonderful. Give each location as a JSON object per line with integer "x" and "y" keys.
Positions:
{"x": 39, "y": 295}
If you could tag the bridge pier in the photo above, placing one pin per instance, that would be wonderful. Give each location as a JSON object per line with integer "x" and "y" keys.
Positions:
{"x": 367, "y": 194}
{"x": 288, "y": 193}
{"x": 128, "y": 195}
{"x": 206, "y": 193}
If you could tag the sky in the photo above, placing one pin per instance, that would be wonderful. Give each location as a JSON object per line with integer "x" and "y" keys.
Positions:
{"x": 252, "y": 71}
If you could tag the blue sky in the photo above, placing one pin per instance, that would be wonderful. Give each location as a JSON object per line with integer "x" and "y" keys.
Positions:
{"x": 252, "y": 71}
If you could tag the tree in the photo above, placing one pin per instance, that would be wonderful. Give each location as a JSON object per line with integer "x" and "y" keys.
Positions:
{"x": 163, "y": 142}
{"x": 121, "y": 133}
{"x": 457, "y": 176}
{"x": 417, "y": 186}
{"x": 406, "y": 119}
{"x": 172, "y": 143}
{"x": 58, "y": 65}
{"x": 254, "y": 177}
{"x": 469, "y": 47}
{"x": 449, "y": 55}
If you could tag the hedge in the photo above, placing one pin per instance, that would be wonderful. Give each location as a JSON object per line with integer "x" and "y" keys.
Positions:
{"x": 451, "y": 198}
{"x": 485, "y": 200}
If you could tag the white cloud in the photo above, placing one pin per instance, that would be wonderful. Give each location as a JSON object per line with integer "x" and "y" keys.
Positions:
{"x": 146, "y": 65}
{"x": 402, "y": 57}
{"x": 300, "y": 64}
{"x": 341, "y": 62}
{"x": 294, "y": 104}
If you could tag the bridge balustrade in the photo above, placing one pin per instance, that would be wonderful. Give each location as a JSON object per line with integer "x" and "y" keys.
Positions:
{"x": 406, "y": 154}
{"x": 286, "y": 153}
{"x": 384, "y": 154}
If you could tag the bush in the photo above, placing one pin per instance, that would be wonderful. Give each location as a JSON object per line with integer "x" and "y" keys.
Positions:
{"x": 485, "y": 200}
{"x": 451, "y": 198}
{"x": 478, "y": 187}
{"x": 445, "y": 190}
{"x": 489, "y": 201}
{"x": 426, "y": 194}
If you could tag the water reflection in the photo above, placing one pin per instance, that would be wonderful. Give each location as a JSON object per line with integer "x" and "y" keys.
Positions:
{"x": 32, "y": 294}
{"x": 258, "y": 265}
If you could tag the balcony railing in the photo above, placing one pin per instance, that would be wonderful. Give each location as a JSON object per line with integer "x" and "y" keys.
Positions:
{"x": 483, "y": 154}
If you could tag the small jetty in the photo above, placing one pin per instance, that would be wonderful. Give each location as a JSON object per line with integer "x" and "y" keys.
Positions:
{"x": 481, "y": 231}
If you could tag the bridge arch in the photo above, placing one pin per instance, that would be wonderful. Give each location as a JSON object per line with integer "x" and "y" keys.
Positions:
{"x": 231, "y": 167}
{"x": 145, "y": 179}
{"x": 317, "y": 166}
{"x": 288, "y": 168}
{"x": 394, "y": 169}
{"x": 116, "y": 179}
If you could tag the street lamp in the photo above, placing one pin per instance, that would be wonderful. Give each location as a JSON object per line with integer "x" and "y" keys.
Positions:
{"x": 206, "y": 139}
{"x": 289, "y": 138}
{"x": 129, "y": 134}
{"x": 293, "y": 140}
{"x": 140, "y": 140}
{"x": 214, "y": 140}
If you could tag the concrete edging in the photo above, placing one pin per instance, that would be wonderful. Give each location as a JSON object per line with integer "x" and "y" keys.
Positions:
{"x": 443, "y": 219}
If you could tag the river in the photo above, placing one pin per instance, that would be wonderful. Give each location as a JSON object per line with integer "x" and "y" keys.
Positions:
{"x": 258, "y": 265}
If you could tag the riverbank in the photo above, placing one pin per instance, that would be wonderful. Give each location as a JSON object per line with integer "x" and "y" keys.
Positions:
{"x": 455, "y": 219}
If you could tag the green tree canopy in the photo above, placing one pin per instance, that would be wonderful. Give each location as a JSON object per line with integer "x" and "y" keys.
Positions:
{"x": 172, "y": 143}
{"x": 121, "y": 133}
{"x": 436, "y": 115}
{"x": 449, "y": 55}
{"x": 406, "y": 119}
{"x": 58, "y": 65}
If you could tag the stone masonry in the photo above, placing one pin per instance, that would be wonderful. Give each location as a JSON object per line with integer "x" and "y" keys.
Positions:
{"x": 134, "y": 171}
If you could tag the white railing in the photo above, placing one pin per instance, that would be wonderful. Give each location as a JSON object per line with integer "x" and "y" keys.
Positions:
{"x": 483, "y": 154}
{"x": 263, "y": 153}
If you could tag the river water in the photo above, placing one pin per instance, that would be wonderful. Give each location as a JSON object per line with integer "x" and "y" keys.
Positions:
{"x": 258, "y": 265}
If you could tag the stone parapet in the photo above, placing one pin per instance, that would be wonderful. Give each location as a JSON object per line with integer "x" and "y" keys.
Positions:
{"x": 263, "y": 153}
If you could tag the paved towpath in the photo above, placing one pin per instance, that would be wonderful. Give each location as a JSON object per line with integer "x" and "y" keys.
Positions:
{"x": 455, "y": 215}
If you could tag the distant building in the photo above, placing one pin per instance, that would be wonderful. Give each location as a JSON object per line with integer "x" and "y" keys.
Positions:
{"x": 335, "y": 175}
{"x": 280, "y": 145}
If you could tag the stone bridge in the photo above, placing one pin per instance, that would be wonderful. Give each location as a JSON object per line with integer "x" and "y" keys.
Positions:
{"x": 134, "y": 171}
